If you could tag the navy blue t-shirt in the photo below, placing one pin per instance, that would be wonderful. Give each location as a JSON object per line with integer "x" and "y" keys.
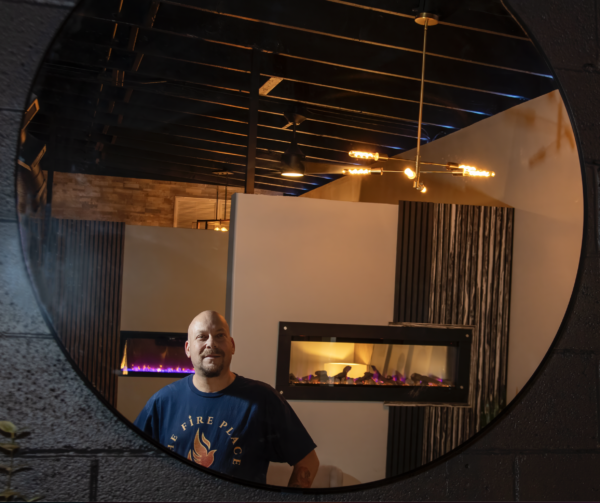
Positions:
{"x": 236, "y": 431}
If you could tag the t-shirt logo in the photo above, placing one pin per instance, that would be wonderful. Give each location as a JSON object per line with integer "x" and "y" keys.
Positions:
{"x": 202, "y": 455}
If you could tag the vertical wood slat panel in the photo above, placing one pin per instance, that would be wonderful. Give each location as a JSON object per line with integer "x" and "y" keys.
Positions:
{"x": 412, "y": 303}
{"x": 462, "y": 258}
{"x": 78, "y": 267}
{"x": 471, "y": 260}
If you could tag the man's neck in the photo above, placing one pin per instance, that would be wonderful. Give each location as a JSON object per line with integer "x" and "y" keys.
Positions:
{"x": 213, "y": 384}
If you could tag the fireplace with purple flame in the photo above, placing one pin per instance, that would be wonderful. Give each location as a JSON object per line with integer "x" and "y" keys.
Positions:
{"x": 154, "y": 354}
{"x": 400, "y": 364}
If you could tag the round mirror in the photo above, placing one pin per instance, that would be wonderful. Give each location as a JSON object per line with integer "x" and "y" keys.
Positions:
{"x": 383, "y": 202}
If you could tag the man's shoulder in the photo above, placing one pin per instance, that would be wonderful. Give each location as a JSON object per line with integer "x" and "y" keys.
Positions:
{"x": 258, "y": 387}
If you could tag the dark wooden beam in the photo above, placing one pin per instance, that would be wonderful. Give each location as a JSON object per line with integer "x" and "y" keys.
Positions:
{"x": 183, "y": 128}
{"x": 336, "y": 21}
{"x": 280, "y": 65}
{"x": 162, "y": 69}
{"x": 322, "y": 122}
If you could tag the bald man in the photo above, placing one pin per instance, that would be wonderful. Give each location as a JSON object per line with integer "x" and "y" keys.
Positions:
{"x": 224, "y": 421}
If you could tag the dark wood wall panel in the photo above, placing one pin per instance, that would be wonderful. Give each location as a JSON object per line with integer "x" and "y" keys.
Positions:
{"x": 454, "y": 264}
{"x": 413, "y": 274}
{"x": 78, "y": 265}
{"x": 405, "y": 439}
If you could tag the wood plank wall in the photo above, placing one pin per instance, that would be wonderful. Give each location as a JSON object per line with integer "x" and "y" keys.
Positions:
{"x": 454, "y": 267}
{"x": 78, "y": 266}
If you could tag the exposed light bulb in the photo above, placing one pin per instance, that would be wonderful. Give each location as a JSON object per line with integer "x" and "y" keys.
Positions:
{"x": 472, "y": 171}
{"x": 297, "y": 175}
{"x": 410, "y": 174}
{"x": 357, "y": 154}
{"x": 217, "y": 229}
{"x": 357, "y": 171}
{"x": 420, "y": 187}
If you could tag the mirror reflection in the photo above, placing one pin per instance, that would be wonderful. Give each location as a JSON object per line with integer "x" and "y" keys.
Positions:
{"x": 386, "y": 176}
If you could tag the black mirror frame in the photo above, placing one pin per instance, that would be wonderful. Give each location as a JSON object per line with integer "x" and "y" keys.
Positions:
{"x": 589, "y": 247}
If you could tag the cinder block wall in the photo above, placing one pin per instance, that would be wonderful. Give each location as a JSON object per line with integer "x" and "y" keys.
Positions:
{"x": 544, "y": 447}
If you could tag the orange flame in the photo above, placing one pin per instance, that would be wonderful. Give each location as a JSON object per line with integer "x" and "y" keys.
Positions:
{"x": 201, "y": 454}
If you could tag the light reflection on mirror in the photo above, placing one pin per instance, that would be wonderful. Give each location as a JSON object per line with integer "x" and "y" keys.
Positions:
{"x": 137, "y": 140}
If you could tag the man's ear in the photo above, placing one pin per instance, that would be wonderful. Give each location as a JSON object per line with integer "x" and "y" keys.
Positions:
{"x": 233, "y": 345}
{"x": 187, "y": 349}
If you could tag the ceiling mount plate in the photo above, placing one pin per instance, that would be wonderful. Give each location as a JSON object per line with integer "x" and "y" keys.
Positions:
{"x": 427, "y": 18}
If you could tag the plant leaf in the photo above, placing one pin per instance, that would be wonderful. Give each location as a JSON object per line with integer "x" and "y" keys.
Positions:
{"x": 23, "y": 434}
{"x": 9, "y": 447}
{"x": 8, "y": 427}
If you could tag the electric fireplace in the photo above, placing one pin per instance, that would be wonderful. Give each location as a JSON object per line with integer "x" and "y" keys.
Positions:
{"x": 154, "y": 354}
{"x": 400, "y": 364}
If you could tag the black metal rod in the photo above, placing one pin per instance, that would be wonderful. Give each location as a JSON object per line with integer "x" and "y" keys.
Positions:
{"x": 253, "y": 121}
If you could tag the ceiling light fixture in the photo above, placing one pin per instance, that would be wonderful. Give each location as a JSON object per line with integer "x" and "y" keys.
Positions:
{"x": 424, "y": 19}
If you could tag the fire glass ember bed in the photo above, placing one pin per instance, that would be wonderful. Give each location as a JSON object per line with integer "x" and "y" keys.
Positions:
{"x": 406, "y": 364}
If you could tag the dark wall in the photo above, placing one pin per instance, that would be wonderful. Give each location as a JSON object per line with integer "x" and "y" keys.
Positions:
{"x": 546, "y": 446}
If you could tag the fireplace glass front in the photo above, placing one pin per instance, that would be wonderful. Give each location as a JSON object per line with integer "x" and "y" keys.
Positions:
{"x": 411, "y": 364}
{"x": 318, "y": 363}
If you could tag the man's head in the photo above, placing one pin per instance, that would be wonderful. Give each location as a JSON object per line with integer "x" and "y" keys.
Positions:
{"x": 209, "y": 344}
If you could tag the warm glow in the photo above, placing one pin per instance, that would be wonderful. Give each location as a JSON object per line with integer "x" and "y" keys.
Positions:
{"x": 423, "y": 190}
{"x": 357, "y": 171}
{"x": 472, "y": 171}
{"x": 292, "y": 174}
{"x": 358, "y": 369}
{"x": 224, "y": 229}
{"x": 357, "y": 154}
{"x": 217, "y": 228}
{"x": 410, "y": 173}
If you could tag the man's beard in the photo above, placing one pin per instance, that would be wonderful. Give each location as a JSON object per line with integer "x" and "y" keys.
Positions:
{"x": 214, "y": 370}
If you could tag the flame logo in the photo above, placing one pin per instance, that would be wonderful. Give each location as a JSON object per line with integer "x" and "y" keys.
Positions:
{"x": 201, "y": 454}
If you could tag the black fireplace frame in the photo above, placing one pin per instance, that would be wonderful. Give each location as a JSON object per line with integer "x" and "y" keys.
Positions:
{"x": 429, "y": 335}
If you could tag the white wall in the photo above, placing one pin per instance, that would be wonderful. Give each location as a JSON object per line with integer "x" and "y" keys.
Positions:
{"x": 317, "y": 261}
{"x": 531, "y": 147}
{"x": 170, "y": 275}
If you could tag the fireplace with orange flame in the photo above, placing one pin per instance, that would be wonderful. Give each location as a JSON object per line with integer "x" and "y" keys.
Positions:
{"x": 417, "y": 364}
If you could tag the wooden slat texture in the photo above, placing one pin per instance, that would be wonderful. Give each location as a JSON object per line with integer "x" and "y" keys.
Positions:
{"x": 79, "y": 267}
{"x": 454, "y": 264}
{"x": 471, "y": 264}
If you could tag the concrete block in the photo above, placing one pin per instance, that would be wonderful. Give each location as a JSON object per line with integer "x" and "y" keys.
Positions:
{"x": 565, "y": 30}
{"x": 55, "y": 478}
{"x": 559, "y": 477}
{"x": 19, "y": 311}
{"x": 9, "y": 136}
{"x": 473, "y": 477}
{"x": 26, "y": 30}
{"x": 42, "y": 392}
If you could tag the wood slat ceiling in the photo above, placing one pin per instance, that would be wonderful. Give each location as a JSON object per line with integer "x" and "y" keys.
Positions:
{"x": 160, "y": 89}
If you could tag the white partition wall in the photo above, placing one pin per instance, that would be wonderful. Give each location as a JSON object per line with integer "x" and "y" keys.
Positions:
{"x": 317, "y": 261}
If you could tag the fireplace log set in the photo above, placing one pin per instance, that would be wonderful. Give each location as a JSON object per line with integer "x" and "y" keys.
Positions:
{"x": 372, "y": 378}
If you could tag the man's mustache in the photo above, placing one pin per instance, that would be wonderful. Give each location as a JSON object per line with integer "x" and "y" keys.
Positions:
{"x": 215, "y": 352}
